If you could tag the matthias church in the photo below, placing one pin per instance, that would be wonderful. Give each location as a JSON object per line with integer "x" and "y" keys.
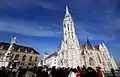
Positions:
{"x": 71, "y": 53}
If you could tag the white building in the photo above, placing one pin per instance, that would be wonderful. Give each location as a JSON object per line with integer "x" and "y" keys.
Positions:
{"x": 72, "y": 54}
{"x": 50, "y": 60}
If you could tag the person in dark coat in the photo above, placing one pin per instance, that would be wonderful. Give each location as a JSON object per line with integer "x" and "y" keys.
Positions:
{"x": 53, "y": 72}
{"x": 91, "y": 72}
{"x": 3, "y": 72}
{"x": 113, "y": 72}
{"x": 44, "y": 73}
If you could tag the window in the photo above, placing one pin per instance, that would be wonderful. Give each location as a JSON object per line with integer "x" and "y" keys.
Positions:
{"x": 82, "y": 53}
{"x": 29, "y": 64}
{"x": 12, "y": 56}
{"x": 69, "y": 34}
{"x": 65, "y": 34}
{"x": 99, "y": 58}
{"x": 36, "y": 58}
{"x": 91, "y": 61}
{"x": 68, "y": 26}
{"x": 16, "y": 57}
{"x": 23, "y": 59}
{"x": 22, "y": 63}
{"x": 30, "y": 58}
{"x": 64, "y": 25}
{"x": 72, "y": 34}
{"x": 71, "y": 26}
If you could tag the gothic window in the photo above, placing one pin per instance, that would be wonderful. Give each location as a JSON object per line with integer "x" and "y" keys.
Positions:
{"x": 99, "y": 58}
{"x": 23, "y": 59}
{"x": 12, "y": 56}
{"x": 67, "y": 16}
{"x": 105, "y": 57}
{"x": 72, "y": 34}
{"x": 36, "y": 58}
{"x": 66, "y": 41}
{"x": 22, "y": 63}
{"x": 64, "y": 25}
{"x": 71, "y": 26}
{"x": 65, "y": 34}
{"x": 82, "y": 53}
{"x": 68, "y": 26}
{"x": 30, "y": 58}
{"x": 62, "y": 54}
{"x": 91, "y": 61}
{"x": 16, "y": 57}
{"x": 69, "y": 34}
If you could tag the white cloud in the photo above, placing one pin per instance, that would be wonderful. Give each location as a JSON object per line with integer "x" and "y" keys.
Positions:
{"x": 85, "y": 30}
{"x": 26, "y": 4}
{"x": 27, "y": 28}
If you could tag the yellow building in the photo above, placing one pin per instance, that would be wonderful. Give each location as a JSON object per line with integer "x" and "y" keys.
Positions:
{"x": 21, "y": 55}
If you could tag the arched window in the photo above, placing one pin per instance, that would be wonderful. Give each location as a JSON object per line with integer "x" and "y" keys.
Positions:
{"x": 30, "y": 58}
{"x": 99, "y": 58}
{"x": 16, "y": 57}
{"x": 68, "y": 26}
{"x": 91, "y": 61}
{"x": 65, "y": 33}
{"x": 23, "y": 59}
{"x": 71, "y": 26}
{"x": 72, "y": 34}
{"x": 36, "y": 58}
{"x": 82, "y": 53}
{"x": 12, "y": 56}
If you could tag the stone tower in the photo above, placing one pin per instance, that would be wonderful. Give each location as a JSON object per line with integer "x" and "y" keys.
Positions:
{"x": 69, "y": 31}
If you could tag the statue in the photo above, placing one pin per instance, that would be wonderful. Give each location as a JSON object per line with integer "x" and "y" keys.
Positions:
{"x": 7, "y": 59}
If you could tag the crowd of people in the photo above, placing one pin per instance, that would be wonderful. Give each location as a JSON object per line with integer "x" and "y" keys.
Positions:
{"x": 51, "y": 72}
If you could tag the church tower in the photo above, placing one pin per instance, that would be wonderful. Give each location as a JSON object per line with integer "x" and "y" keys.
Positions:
{"x": 69, "y": 30}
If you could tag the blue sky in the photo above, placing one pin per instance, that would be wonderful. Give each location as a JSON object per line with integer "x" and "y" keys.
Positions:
{"x": 38, "y": 23}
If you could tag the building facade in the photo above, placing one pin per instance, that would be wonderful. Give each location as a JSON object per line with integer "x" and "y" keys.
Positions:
{"x": 72, "y": 54}
{"x": 50, "y": 60}
{"x": 21, "y": 55}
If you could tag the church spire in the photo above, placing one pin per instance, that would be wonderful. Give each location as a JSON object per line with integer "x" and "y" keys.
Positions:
{"x": 67, "y": 11}
{"x": 88, "y": 42}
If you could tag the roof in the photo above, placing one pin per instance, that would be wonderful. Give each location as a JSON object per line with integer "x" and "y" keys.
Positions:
{"x": 46, "y": 53}
{"x": 18, "y": 47}
{"x": 96, "y": 47}
{"x": 83, "y": 46}
{"x": 53, "y": 54}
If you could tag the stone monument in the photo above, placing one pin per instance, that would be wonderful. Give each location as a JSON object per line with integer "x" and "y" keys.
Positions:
{"x": 6, "y": 60}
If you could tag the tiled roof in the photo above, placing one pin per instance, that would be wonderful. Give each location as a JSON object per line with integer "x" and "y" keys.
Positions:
{"x": 18, "y": 47}
{"x": 53, "y": 54}
{"x": 96, "y": 47}
{"x": 83, "y": 46}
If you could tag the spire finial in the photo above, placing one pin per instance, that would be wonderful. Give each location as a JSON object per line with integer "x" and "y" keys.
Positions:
{"x": 67, "y": 11}
{"x": 88, "y": 41}
{"x": 13, "y": 40}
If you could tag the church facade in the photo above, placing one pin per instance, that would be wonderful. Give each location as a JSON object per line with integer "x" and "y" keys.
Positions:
{"x": 72, "y": 54}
